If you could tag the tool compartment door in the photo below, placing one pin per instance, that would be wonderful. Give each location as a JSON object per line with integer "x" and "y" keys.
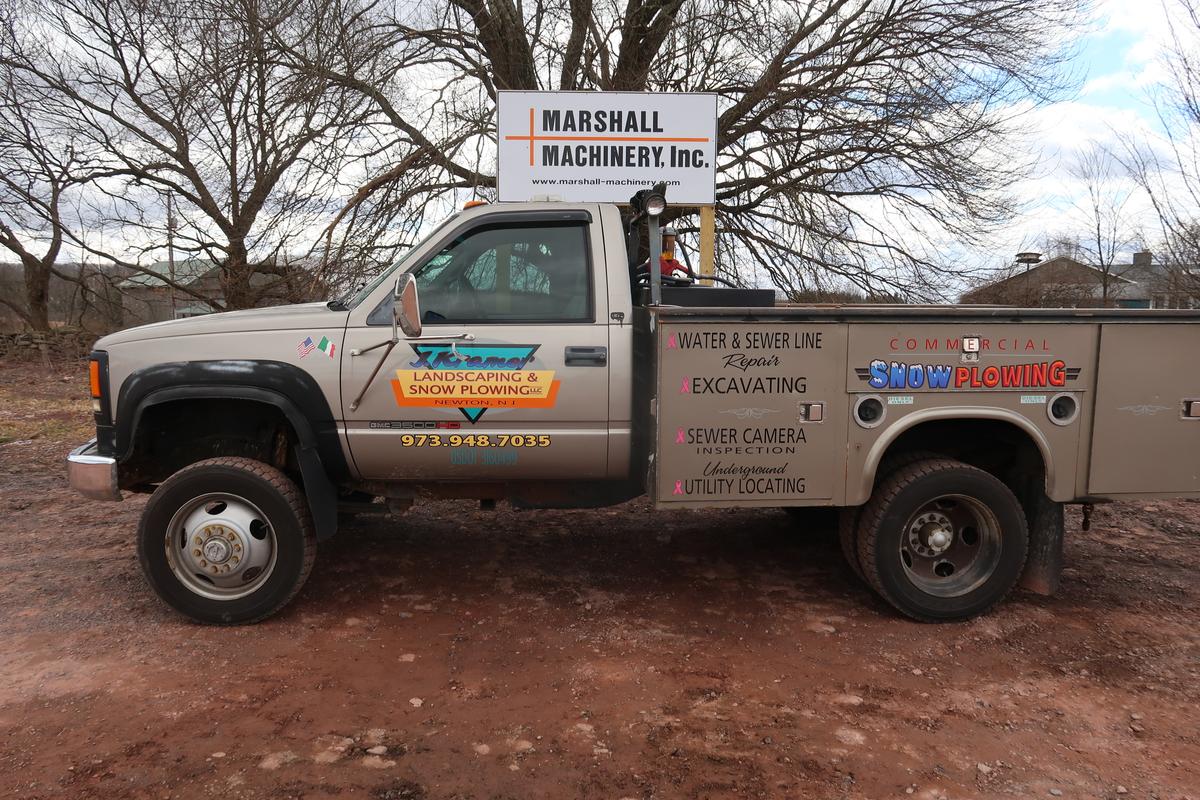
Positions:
{"x": 749, "y": 414}
{"x": 1141, "y": 440}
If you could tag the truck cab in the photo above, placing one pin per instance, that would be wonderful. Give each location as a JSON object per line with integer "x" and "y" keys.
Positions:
{"x": 523, "y": 366}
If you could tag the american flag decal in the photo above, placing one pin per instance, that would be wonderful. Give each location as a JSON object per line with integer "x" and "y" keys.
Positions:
{"x": 305, "y": 347}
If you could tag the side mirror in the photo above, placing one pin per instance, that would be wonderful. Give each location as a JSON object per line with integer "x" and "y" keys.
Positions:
{"x": 406, "y": 308}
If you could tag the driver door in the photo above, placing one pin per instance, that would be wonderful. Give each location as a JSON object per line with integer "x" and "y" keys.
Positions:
{"x": 527, "y": 398}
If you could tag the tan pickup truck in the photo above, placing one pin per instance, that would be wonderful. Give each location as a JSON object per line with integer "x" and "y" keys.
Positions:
{"x": 518, "y": 354}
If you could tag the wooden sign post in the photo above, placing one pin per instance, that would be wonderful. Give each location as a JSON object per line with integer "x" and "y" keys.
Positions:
{"x": 708, "y": 243}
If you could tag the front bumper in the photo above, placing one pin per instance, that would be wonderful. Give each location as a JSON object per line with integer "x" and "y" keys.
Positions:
{"x": 92, "y": 475}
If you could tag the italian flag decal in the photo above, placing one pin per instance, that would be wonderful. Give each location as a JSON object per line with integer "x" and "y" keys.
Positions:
{"x": 327, "y": 347}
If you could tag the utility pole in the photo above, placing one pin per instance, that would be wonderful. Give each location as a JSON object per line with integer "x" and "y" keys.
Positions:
{"x": 171, "y": 250}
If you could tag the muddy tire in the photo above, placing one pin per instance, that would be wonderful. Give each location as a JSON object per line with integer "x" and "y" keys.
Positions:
{"x": 848, "y": 538}
{"x": 941, "y": 540}
{"x": 848, "y": 518}
{"x": 227, "y": 541}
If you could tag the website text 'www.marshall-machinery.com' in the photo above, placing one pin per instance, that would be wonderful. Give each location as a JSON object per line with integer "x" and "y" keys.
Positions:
{"x": 594, "y": 182}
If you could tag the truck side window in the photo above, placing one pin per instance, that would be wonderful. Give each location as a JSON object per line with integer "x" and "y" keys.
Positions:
{"x": 518, "y": 273}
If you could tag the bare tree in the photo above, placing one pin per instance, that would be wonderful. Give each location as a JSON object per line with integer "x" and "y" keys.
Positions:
{"x": 39, "y": 166}
{"x": 1168, "y": 169}
{"x": 855, "y": 136}
{"x": 187, "y": 99}
{"x": 1178, "y": 284}
{"x": 1106, "y": 229}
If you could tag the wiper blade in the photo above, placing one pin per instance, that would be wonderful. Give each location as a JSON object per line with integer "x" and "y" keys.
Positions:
{"x": 339, "y": 303}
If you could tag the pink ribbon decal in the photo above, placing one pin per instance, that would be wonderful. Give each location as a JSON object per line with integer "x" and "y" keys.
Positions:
{"x": 684, "y": 388}
{"x": 679, "y": 436}
{"x": 671, "y": 343}
{"x": 678, "y": 487}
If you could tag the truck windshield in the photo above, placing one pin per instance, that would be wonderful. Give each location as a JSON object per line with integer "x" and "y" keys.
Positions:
{"x": 403, "y": 262}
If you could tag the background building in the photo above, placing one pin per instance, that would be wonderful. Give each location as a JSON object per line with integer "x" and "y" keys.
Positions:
{"x": 1064, "y": 282}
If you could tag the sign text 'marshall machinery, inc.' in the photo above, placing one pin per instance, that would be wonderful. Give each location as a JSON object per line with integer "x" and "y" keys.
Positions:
{"x": 603, "y": 147}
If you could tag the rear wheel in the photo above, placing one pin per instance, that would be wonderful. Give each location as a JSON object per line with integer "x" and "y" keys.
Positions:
{"x": 848, "y": 518}
{"x": 941, "y": 540}
{"x": 848, "y": 538}
{"x": 226, "y": 541}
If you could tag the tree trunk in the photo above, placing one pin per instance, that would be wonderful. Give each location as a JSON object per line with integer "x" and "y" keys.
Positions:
{"x": 235, "y": 278}
{"x": 37, "y": 294}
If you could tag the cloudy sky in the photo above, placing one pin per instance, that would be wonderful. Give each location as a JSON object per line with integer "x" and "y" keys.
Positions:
{"x": 1120, "y": 64}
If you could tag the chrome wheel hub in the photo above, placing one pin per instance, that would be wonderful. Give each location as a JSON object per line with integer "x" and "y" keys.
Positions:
{"x": 951, "y": 545}
{"x": 220, "y": 546}
{"x": 930, "y": 533}
{"x": 218, "y": 550}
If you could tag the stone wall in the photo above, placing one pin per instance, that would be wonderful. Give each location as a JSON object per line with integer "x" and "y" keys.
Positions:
{"x": 59, "y": 345}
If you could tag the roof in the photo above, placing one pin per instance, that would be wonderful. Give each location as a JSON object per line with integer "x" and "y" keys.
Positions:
{"x": 1064, "y": 273}
{"x": 186, "y": 273}
{"x": 1116, "y": 271}
{"x": 194, "y": 310}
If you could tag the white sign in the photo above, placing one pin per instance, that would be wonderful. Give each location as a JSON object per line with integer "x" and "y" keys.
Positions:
{"x": 601, "y": 147}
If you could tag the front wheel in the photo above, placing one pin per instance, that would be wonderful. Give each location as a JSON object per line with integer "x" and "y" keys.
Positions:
{"x": 227, "y": 541}
{"x": 941, "y": 540}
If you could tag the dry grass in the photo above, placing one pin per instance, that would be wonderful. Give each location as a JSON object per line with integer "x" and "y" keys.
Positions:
{"x": 37, "y": 403}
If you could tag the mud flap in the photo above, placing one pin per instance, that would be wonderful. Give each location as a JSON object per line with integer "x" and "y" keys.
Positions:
{"x": 319, "y": 491}
{"x": 1043, "y": 566}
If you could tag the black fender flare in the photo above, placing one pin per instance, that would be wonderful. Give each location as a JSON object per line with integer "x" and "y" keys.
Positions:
{"x": 284, "y": 386}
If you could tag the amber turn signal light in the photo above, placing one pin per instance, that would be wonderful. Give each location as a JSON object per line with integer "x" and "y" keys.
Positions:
{"x": 94, "y": 377}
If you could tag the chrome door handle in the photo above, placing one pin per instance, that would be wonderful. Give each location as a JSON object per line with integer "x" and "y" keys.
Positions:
{"x": 586, "y": 356}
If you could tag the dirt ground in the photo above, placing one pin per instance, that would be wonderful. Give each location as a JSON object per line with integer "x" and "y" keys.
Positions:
{"x": 454, "y": 653}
